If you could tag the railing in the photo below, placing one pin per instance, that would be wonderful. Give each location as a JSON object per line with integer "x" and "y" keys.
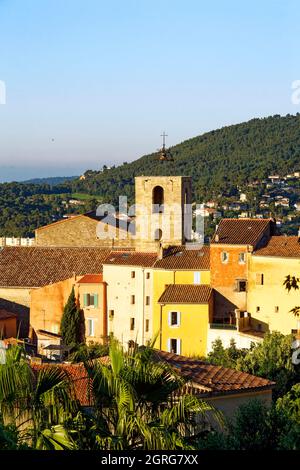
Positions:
{"x": 222, "y": 326}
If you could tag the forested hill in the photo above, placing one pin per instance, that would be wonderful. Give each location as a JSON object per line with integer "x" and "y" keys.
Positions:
{"x": 217, "y": 160}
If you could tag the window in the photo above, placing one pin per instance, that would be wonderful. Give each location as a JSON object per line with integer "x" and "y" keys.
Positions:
{"x": 174, "y": 318}
{"x": 111, "y": 314}
{"x": 224, "y": 257}
{"x": 157, "y": 234}
{"x": 91, "y": 327}
{"x": 132, "y": 274}
{"x": 147, "y": 275}
{"x": 259, "y": 279}
{"x": 132, "y": 322}
{"x": 90, "y": 300}
{"x": 276, "y": 309}
{"x": 174, "y": 345}
{"x": 133, "y": 299}
{"x": 197, "y": 277}
{"x": 147, "y": 300}
{"x": 158, "y": 199}
{"x": 258, "y": 309}
{"x": 242, "y": 258}
{"x": 241, "y": 285}
{"x": 147, "y": 326}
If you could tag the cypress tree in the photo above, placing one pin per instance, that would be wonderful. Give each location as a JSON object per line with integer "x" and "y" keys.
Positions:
{"x": 70, "y": 327}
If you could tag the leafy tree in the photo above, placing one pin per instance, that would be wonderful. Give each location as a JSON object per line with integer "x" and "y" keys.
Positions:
{"x": 226, "y": 357}
{"x": 33, "y": 403}
{"x": 137, "y": 407}
{"x": 272, "y": 359}
{"x": 71, "y": 322}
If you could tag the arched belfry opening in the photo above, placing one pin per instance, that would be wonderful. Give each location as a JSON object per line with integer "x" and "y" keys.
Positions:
{"x": 158, "y": 199}
{"x": 157, "y": 234}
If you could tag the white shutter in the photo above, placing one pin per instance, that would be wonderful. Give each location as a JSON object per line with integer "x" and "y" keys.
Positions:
{"x": 197, "y": 277}
{"x": 178, "y": 318}
{"x": 169, "y": 345}
{"x": 178, "y": 346}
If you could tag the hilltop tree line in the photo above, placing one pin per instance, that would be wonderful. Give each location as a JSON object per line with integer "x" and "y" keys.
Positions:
{"x": 218, "y": 162}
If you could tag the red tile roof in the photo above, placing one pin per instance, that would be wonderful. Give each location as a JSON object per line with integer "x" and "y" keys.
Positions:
{"x": 134, "y": 258}
{"x": 214, "y": 380}
{"x": 91, "y": 279}
{"x": 40, "y": 266}
{"x": 186, "y": 294}
{"x": 177, "y": 258}
{"x": 78, "y": 376}
{"x": 281, "y": 246}
{"x": 241, "y": 231}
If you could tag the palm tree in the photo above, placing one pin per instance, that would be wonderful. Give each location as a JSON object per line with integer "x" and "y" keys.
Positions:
{"x": 138, "y": 405}
{"x": 35, "y": 402}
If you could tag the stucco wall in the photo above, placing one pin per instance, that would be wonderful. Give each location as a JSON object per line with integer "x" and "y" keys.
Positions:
{"x": 241, "y": 340}
{"x": 17, "y": 300}
{"x": 272, "y": 293}
{"x": 120, "y": 287}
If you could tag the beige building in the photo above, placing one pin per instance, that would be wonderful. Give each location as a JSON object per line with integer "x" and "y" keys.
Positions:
{"x": 129, "y": 295}
{"x": 269, "y": 303}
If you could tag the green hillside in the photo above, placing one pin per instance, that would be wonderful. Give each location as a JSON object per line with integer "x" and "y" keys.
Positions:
{"x": 218, "y": 161}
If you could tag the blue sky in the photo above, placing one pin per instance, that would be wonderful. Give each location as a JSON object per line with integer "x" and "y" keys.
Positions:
{"x": 92, "y": 82}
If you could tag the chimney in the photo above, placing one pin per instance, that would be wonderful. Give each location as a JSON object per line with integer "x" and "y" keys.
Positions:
{"x": 299, "y": 234}
{"x": 217, "y": 238}
{"x": 160, "y": 251}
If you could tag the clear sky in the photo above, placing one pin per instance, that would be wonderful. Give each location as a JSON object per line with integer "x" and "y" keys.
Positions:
{"x": 93, "y": 82}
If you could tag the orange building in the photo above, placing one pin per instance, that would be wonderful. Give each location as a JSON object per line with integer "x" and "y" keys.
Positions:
{"x": 47, "y": 304}
{"x": 91, "y": 294}
{"x": 230, "y": 251}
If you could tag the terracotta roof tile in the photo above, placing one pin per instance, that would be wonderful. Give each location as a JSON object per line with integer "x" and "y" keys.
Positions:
{"x": 40, "y": 266}
{"x": 77, "y": 375}
{"x": 241, "y": 231}
{"x": 91, "y": 279}
{"x": 180, "y": 258}
{"x": 214, "y": 380}
{"x": 127, "y": 258}
{"x": 186, "y": 294}
{"x": 282, "y": 246}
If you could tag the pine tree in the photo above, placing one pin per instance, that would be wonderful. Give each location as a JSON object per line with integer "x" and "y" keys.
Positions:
{"x": 70, "y": 327}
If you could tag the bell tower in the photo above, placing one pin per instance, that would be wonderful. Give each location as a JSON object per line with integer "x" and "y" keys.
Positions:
{"x": 162, "y": 211}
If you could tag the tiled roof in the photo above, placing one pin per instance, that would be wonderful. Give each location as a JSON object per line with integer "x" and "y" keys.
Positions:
{"x": 4, "y": 314}
{"x": 126, "y": 225}
{"x": 214, "y": 380}
{"x": 282, "y": 246}
{"x": 40, "y": 266}
{"x": 240, "y": 231}
{"x": 127, "y": 258}
{"x": 180, "y": 258}
{"x": 91, "y": 279}
{"x": 186, "y": 294}
{"x": 77, "y": 375}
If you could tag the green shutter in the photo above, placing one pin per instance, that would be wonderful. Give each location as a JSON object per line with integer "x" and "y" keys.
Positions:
{"x": 85, "y": 300}
{"x": 96, "y": 300}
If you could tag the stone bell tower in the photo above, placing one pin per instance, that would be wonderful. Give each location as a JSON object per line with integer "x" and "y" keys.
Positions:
{"x": 163, "y": 211}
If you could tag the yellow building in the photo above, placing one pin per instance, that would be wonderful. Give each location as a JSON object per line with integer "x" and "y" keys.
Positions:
{"x": 181, "y": 266}
{"x": 129, "y": 295}
{"x": 268, "y": 302}
{"x": 185, "y": 312}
